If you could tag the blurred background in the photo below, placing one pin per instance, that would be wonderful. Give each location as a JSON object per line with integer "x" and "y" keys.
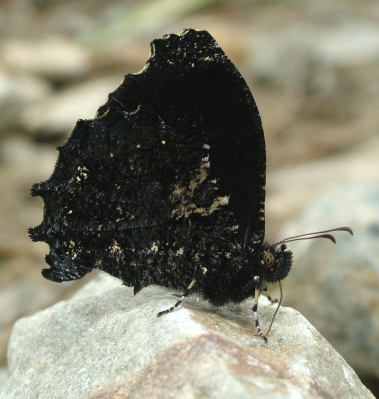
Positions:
{"x": 313, "y": 68}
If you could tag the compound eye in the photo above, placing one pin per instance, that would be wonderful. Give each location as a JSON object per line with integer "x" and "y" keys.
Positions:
{"x": 268, "y": 260}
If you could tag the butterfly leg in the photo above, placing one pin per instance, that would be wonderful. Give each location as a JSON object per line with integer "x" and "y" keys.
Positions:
{"x": 255, "y": 306}
{"x": 198, "y": 276}
{"x": 265, "y": 290}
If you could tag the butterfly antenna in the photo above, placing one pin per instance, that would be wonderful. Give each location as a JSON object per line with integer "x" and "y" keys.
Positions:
{"x": 306, "y": 236}
{"x": 276, "y": 311}
{"x": 316, "y": 234}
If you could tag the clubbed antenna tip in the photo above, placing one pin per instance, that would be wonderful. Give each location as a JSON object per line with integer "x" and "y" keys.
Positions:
{"x": 316, "y": 234}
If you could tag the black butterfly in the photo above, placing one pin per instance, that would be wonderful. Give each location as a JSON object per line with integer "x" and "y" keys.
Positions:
{"x": 167, "y": 184}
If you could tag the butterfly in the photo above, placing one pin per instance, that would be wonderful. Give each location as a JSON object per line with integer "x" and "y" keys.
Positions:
{"x": 166, "y": 185}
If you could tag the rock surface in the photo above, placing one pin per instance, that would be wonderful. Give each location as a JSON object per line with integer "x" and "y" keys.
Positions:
{"x": 107, "y": 343}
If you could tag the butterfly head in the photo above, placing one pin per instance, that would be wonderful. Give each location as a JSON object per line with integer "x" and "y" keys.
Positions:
{"x": 277, "y": 259}
{"x": 276, "y": 263}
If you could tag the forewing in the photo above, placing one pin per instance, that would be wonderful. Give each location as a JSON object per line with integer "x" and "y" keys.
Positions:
{"x": 191, "y": 84}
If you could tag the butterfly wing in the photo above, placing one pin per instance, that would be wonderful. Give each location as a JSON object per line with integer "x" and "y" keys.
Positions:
{"x": 191, "y": 84}
{"x": 171, "y": 165}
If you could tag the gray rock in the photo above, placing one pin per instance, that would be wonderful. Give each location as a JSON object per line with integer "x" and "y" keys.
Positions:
{"x": 292, "y": 190}
{"x": 312, "y": 56}
{"x": 54, "y": 57}
{"x": 336, "y": 287}
{"x": 3, "y": 377}
{"x": 16, "y": 92}
{"x": 110, "y": 343}
{"x": 59, "y": 113}
{"x": 21, "y": 298}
